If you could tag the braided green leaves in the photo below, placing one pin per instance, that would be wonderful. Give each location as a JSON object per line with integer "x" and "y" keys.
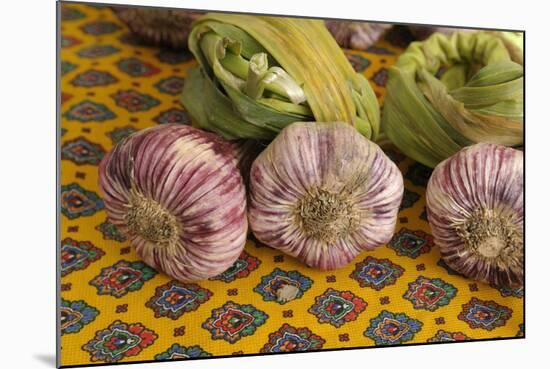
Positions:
{"x": 258, "y": 74}
{"x": 449, "y": 92}
{"x": 513, "y": 42}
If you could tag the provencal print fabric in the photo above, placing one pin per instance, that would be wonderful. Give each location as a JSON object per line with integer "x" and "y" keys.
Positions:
{"x": 115, "y": 308}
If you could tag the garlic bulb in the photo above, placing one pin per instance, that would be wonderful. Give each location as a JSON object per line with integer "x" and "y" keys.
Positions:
{"x": 323, "y": 193}
{"x": 356, "y": 35}
{"x": 176, "y": 193}
{"x": 475, "y": 209}
{"x": 157, "y": 26}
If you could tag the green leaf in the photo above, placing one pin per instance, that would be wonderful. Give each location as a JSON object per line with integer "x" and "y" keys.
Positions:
{"x": 478, "y": 97}
{"x": 267, "y": 72}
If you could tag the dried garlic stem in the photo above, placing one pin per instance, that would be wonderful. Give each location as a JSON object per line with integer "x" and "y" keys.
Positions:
{"x": 491, "y": 235}
{"x": 326, "y": 216}
{"x": 148, "y": 219}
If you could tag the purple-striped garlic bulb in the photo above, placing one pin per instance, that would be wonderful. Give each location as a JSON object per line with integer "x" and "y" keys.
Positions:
{"x": 177, "y": 194}
{"x": 159, "y": 27}
{"x": 475, "y": 210}
{"x": 356, "y": 35}
{"x": 323, "y": 193}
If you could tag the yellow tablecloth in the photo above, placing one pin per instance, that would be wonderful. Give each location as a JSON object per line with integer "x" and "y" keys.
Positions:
{"x": 115, "y": 308}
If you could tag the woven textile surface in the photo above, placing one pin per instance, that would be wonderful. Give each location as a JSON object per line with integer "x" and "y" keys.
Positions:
{"x": 114, "y": 308}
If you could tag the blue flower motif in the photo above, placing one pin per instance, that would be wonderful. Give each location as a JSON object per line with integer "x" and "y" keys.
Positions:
{"x": 81, "y": 151}
{"x": 100, "y": 28}
{"x": 376, "y": 273}
{"x": 120, "y": 133}
{"x": 77, "y": 202}
{"x": 509, "y": 291}
{"x": 89, "y": 111}
{"x": 67, "y": 67}
{"x": 521, "y": 331}
{"x": 70, "y": 14}
{"x": 483, "y": 314}
{"x": 118, "y": 341}
{"x": 301, "y": 344}
{"x": 173, "y": 115}
{"x": 392, "y": 328}
{"x": 93, "y": 78}
{"x": 75, "y": 315}
{"x": 379, "y": 50}
{"x": 411, "y": 243}
{"x": 172, "y": 85}
{"x": 97, "y": 51}
{"x": 181, "y": 352}
{"x": 358, "y": 62}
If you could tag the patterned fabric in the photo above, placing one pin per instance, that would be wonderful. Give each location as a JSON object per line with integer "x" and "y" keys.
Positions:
{"x": 117, "y": 309}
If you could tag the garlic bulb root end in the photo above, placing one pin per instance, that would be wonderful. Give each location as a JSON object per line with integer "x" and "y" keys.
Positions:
{"x": 474, "y": 203}
{"x": 490, "y": 235}
{"x": 326, "y": 215}
{"x": 147, "y": 218}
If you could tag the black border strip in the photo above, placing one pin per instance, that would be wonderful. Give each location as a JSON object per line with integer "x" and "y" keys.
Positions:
{"x": 291, "y": 353}
{"x": 58, "y": 185}
{"x": 289, "y": 16}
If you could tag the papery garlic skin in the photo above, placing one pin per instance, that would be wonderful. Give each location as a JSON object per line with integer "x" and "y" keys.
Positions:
{"x": 159, "y": 27}
{"x": 323, "y": 193}
{"x": 176, "y": 193}
{"x": 475, "y": 209}
{"x": 356, "y": 35}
